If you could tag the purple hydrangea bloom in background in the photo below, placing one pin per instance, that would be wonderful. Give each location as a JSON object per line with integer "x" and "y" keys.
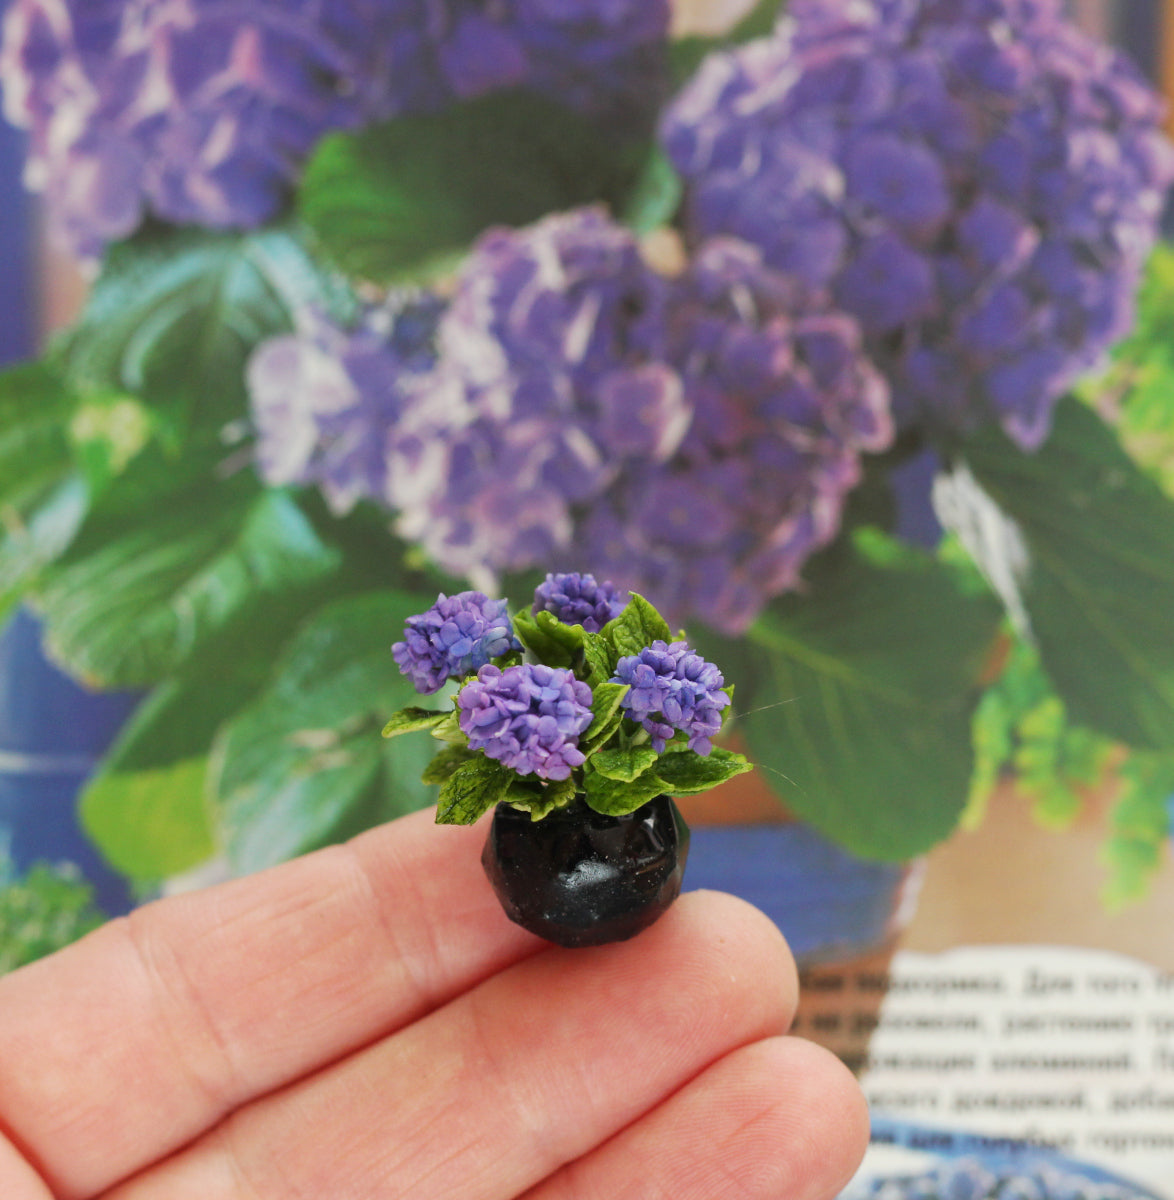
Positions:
{"x": 550, "y": 331}
{"x": 577, "y": 599}
{"x": 203, "y": 111}
{"x": 783, "y": 402}
{"x": 456, "y": 636}
{"x": 979, "y": 183}
{"x": 200, "y": 111}
{"x": 671, "y": 689}
{"x": 528, "y": 717}
{"x": 323, "y": 399}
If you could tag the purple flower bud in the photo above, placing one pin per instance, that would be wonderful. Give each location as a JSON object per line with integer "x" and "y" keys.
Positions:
{"x": 671, "y": 689}
{"x": 579, "y": 600}
{"x": 528, "y": 717}
{"x": 455, "y": 637}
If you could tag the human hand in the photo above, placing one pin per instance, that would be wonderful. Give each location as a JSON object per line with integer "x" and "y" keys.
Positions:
{"x": 365, "y": 1023}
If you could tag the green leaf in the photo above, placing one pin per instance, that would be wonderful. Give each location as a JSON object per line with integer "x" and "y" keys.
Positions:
{"x": 409, "y": 720}
{"x": 304, "y": 765}
{"x": 43, "y": 497}
{"x": 616, "y": 798}
{"x": 605, "y": 704}
{"x": 1140, "y": 827}
{"x": 446, "y": 762}
{"x": 539, "y": 800}
{"x": 687, "y": 53}
{"x": 46, "y": 910}
{"x": 865, "y": 688}
{"x": 601, "y": 659}
{"x": 151, "y": 823}
{"x": 1099, "y": 582}
{"x": 656, "y": 197}
{"x": 134, "y": 600}
{"x": 686, "y": 773}
{"x": 639, "y": 625}
{"x": 623, "y": 763}
{"x": 547, "y": 638}
{"x": 405, "y": 198}
{"x": 175, "y": 314}
{"x": 472, "y": 790}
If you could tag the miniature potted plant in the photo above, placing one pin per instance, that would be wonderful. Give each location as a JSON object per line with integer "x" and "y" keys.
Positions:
{"x": 576, "y": 721}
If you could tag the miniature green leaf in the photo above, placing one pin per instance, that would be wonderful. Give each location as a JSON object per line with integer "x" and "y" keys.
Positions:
{"x": 614, "y": 797}
{"x": 624, "y": 763}
{"x": 541, "y": 644}
{"x": 688, "y": 773}
{"x": 605, "y": 704}
{"x": 472, "y": 790}
{"x": 409, "y": 720}
{"x": 600, "y": 657}
{"x": 445, "y": 762}
{"x": 639, "y": 625}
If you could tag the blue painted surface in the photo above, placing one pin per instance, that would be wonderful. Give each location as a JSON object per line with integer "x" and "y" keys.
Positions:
{"x": 828, "y": 904}
{"x": 17, "y": 279}
{"x": 52, "y": 733}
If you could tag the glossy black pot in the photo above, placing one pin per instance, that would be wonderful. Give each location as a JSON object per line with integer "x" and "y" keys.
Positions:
{"x": 579, "y": 878}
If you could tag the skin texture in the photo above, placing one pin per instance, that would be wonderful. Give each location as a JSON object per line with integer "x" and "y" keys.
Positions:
{"x": 365, "y": 1023}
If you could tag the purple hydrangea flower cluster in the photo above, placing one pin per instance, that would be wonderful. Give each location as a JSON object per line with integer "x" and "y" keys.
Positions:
{"x": 971, "y": 1179}
{"x": 782, "y": 400}
{"x": 324, "y": 399}
{"x": 203, "y": 111}
{"x": 545, "y": 383}
{"x": 528, "y": 717}
{"x": 691, "y": 439}
{"x": 978, "y": 182}
{"x": 604, "y": 59}
{"x": 577, "y": 599}
{"x": 455, "y": 637}
{"x": 671, "y": 689}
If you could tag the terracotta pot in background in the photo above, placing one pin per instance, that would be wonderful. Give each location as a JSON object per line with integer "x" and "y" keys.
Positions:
{"x": 842, "y": 916}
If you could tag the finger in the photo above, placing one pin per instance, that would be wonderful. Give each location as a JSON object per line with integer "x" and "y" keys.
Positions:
{"x": 485, "y": 1097}
{"x": 781, "y": 1117}
{"x": 133, "y": 1041}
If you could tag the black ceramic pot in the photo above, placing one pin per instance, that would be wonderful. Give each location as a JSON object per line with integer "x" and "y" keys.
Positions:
{"x": 579, "y": 878}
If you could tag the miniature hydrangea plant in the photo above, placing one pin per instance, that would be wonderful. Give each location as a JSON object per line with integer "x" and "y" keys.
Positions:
{"x": 577, "y": 719}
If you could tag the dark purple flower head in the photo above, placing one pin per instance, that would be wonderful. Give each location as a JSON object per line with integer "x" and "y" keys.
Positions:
{"x": 456, "y": 636}
{"x": 203, "y": 111}
{"x": 324, "y": 399}
{"x": 783, "y": 402}
{"x": 549, "y": 335}
{"x": 579, "y": 600}
{"x": 671, "y": 689}
{"x": 977, "y": 182}
{"x": 528, "y": 717}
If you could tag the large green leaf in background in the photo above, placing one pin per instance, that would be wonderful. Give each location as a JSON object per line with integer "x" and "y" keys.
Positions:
{"x": 149, "y": 805}
{"x": 43, "y": 497}
{"x": 865, "y": 686}
{"x": 403, "y": 199}
{"x": 1099, "y": 582}
{"x": 305, "y": 764}
{"x": 126, "y": 610}
{"x": 175, "y": 314}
